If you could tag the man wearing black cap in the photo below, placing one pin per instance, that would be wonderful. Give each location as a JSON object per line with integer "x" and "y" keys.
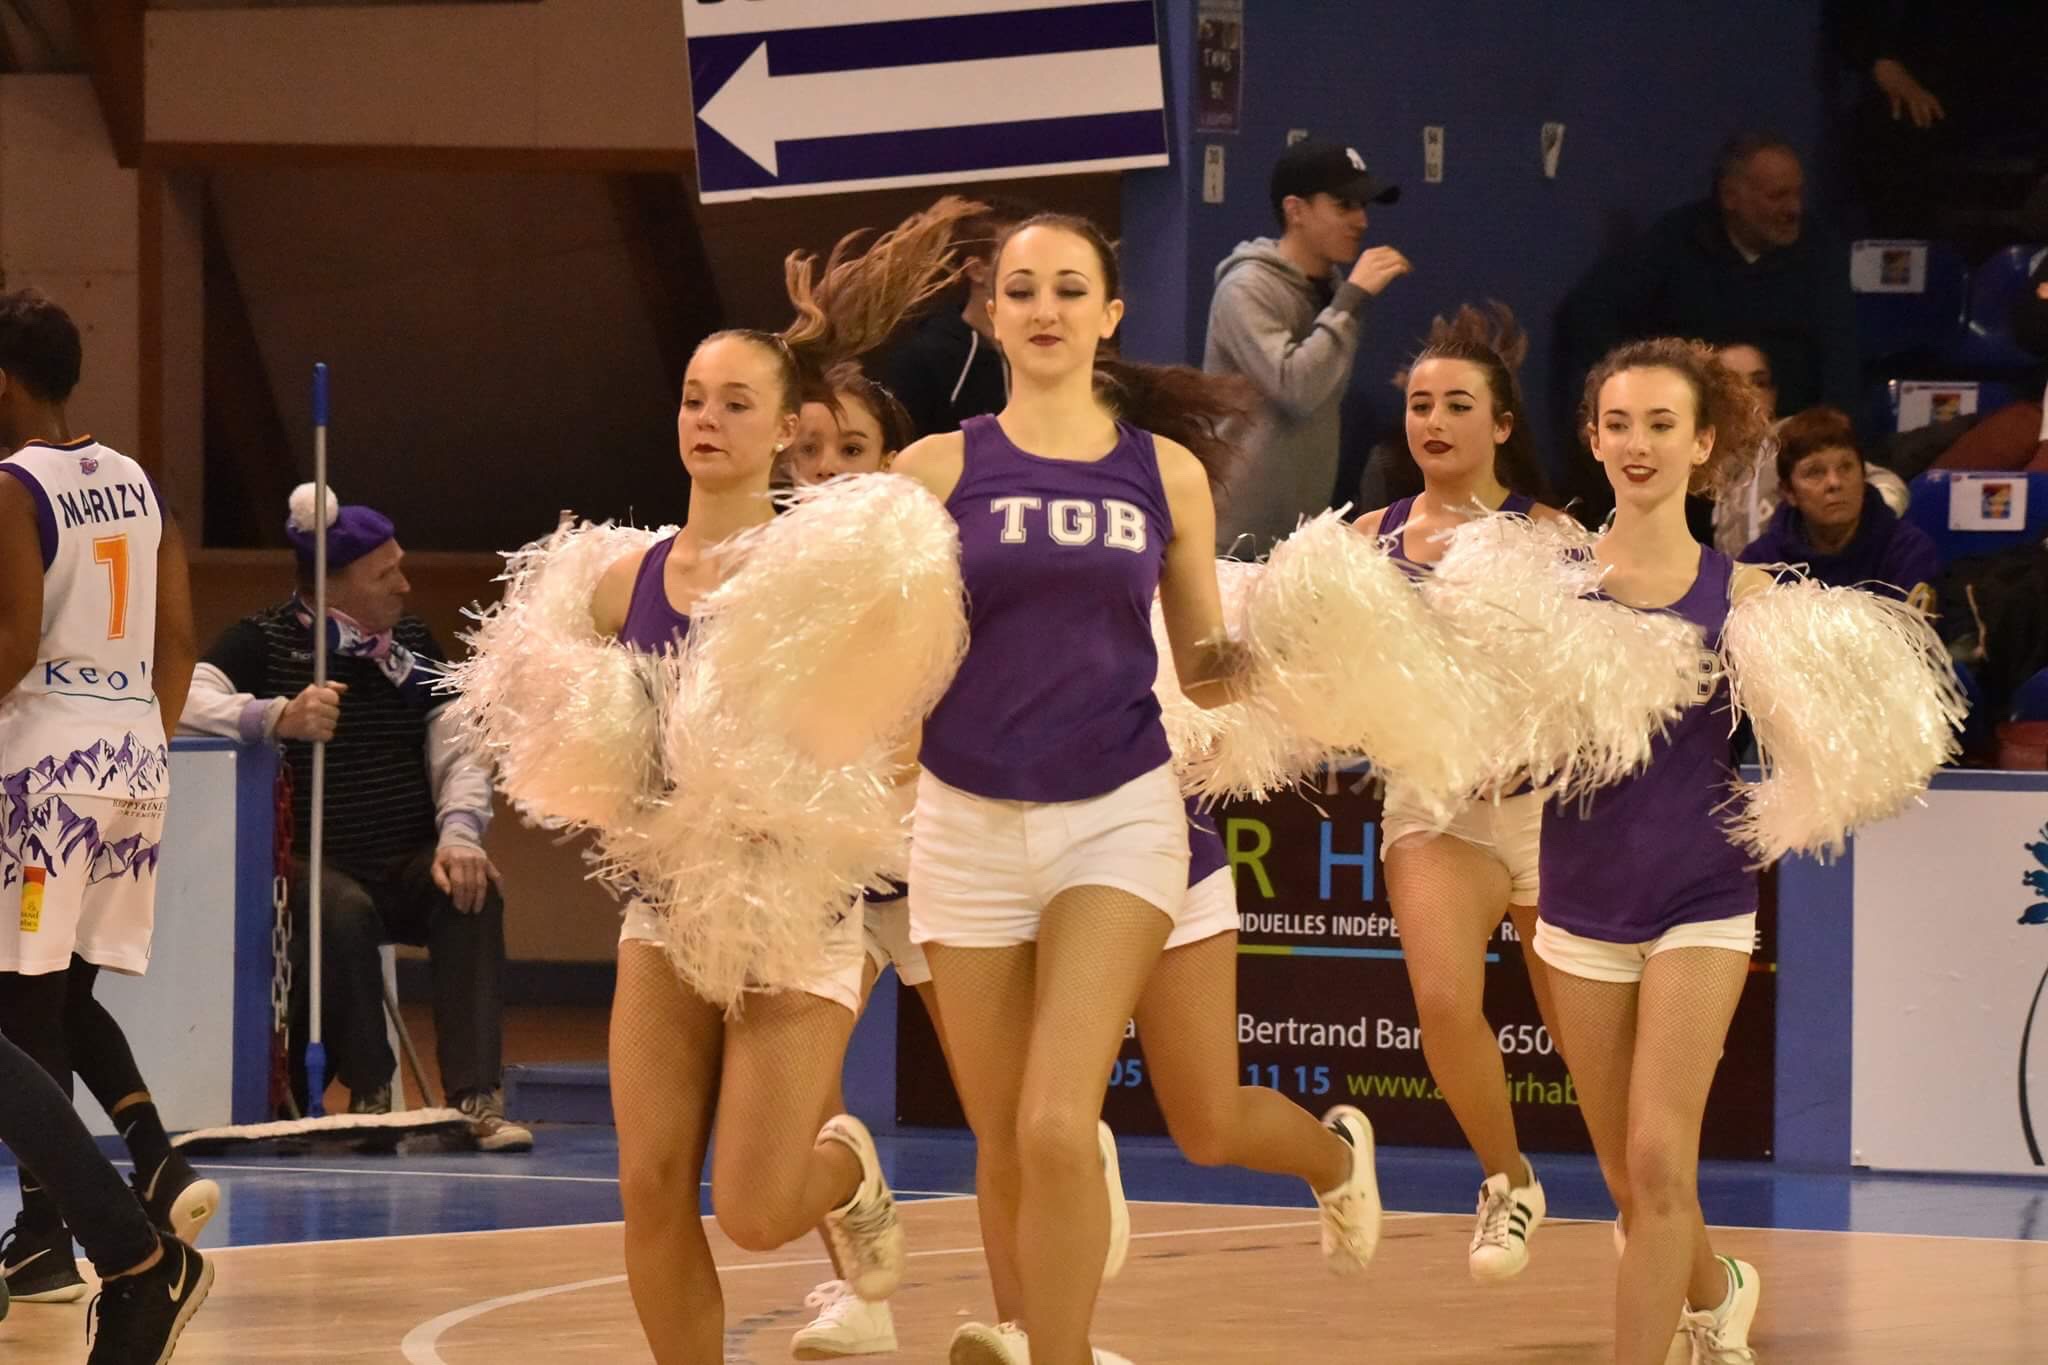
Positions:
{"x": 406, "y": 809}
{"x": 1286, "y": 320}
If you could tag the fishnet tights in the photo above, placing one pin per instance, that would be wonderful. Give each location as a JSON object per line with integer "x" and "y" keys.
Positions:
{"x": 1644, "y": 1058}
{"x": 1034, "y": 1032}
{"x": 676, "y": 1067}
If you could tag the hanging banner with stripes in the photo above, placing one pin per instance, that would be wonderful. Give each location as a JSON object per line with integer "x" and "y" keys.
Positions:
{"x": 813, "y": 96}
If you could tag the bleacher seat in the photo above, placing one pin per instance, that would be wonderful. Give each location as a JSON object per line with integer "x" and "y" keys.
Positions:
{"x": 1881, "y": 403}
{"x": 1893, "y": 325}
{"x": 1929, "y": 512}
{"x": 1985, "y": 341}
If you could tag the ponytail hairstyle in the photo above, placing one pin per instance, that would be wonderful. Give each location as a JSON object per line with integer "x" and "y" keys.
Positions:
{"x": 1722, "y": 401}
{"x": 1175, "y": 401}
{"x": 1493, "y": 340}
{"x": 852, "y": 301}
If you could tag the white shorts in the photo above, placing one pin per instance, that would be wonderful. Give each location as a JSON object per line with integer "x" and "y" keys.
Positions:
{"x": 982, "y": 871}
{"x": 1598, "y": 960}
{"x": 87, "y": 887}
{"x": 841, "y": 984}
{"x": 886, "y": 934}
{"x": 1511, "y": 829}
{"x": 1208, "y": 909}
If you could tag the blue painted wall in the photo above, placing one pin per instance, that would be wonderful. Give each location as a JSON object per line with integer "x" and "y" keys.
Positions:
{"x": 1646, "y": 93}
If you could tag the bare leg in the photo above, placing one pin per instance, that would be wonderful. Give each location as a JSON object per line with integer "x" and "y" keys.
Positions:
{"x": 1448, "y": 899}
{"x": 665, "y": 1045}
{"x": 1096, "y": 949}
{"x": 1187, "y": 1020}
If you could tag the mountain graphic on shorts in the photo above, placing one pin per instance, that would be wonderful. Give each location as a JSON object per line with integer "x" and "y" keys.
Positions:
{"x": 39, "y": 828}
{"x": 133, "y": 768}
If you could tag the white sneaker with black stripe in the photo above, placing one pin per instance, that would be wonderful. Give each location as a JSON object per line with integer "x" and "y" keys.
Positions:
{"x": 1351, "y": 1213}
{"x": 1508, "y": 1218}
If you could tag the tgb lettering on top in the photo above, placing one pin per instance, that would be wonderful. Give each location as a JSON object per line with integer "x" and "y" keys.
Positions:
{"x": 1117, "y": 524}
{"x": 115, "y": 502}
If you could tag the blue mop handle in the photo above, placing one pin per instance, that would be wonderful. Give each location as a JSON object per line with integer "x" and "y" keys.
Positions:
{"x": 316, "y": 1050}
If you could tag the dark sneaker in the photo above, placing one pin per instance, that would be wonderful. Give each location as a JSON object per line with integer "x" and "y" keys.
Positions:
{"x": 136, "y": 1319}
{"x": 177, "y": 1200}
{"x": 39, "y": 1265}
{"x": 488, "y": 1126}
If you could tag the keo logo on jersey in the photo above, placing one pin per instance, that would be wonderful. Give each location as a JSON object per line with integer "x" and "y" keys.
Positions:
{"x": 1120, "y": 525}
{"x": 88, "y": 464}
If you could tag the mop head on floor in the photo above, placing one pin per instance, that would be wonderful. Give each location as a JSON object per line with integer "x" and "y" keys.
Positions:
{"x": 354, "y": 1131}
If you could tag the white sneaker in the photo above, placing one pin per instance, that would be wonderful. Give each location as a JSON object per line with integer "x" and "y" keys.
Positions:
{"x": 866, "y": 1234}
{"x": 1508, "y": 1218}
{"x": 977, "y": 1343}
{"x": 846, "y": 1325}
{"x": 1351, "y": 1212}
{"x": 1119, "y": 1207}
{"x": 1723, "y": 1338}
{"x": 1679, "y": 1352}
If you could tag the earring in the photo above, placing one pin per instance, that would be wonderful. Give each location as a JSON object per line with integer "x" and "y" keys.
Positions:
{"x": 781, "y": 446}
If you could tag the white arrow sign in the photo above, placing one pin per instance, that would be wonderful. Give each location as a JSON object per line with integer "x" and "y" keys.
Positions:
{"x": 755, "y": 110}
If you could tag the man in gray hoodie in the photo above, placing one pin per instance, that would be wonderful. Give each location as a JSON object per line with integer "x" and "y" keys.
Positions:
{"x": 1285, "y": 319}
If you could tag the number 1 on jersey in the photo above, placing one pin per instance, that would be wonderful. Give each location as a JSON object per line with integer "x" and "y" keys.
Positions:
{"x": 112, "y": 551}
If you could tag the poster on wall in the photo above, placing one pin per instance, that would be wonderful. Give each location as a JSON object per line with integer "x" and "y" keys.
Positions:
{"x": 1219, "y": 66}
{"x": 1950, "y": 1069}
{"x": 821, "y": 96}
{"x": 1325, "y": 1014}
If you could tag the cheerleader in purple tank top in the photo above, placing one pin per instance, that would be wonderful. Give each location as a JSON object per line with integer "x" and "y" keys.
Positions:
{"x": 1449, "y": 886}
{"x": 678, "y": 1062}
{"x": 1051, "y": 850}
{"x": 1649, "y": 913}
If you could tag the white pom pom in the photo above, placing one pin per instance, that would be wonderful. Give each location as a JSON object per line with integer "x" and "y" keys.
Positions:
{"x": 1240, "y": 750}
{"x": 1584, "y": 685}
{"x": 838, "y": 630}
{"x": 1855, "y": 704}
{"x": 845, "y": 619}
{"x": 570, "y": 718}
{"x": 303, "y": 511}
{"x": 1349, "y": 658}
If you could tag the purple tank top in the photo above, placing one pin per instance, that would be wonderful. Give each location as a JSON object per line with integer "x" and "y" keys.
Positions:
{"x": 1206, "y": 854}
{"x": 1061, "y": 559}
{"x": 1395, "y": 518}
{"x": 1649, "y": 853}
{"x": 652, "y": 625}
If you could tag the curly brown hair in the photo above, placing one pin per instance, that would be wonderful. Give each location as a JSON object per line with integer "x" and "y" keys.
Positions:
{"x": 1493, "y": 340}
{"x": 1723, "y": 402}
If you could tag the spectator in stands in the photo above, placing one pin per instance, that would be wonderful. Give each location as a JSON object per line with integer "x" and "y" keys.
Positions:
{"x": 1949, "y": 132}
{"x": 1833, "y": 521}
{"x": 405, "y": 813}
{"x": 1745, "y": 507}
{"x": 1744, "y": 264}
{"x": 1285, "y": 318}
{"x": 948, "y": 368}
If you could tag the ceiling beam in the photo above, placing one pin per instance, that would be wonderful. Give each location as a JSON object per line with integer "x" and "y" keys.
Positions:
{"x": 111, "y": 32}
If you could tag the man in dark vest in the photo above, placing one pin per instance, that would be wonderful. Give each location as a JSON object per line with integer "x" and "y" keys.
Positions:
{"x": 406, "y": 809}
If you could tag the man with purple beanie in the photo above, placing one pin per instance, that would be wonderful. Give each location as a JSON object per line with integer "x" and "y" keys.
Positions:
{"x": 406, "y": 810}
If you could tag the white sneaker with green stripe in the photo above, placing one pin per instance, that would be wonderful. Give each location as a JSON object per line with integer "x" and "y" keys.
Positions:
{"x": 1720, "y": 1336}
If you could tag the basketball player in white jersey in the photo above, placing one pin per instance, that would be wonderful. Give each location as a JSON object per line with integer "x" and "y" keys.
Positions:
{"x": 96, "y": 654}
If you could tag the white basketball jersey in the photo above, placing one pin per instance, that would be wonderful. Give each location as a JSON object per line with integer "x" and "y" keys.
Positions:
{"x": 85, "y": 719}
